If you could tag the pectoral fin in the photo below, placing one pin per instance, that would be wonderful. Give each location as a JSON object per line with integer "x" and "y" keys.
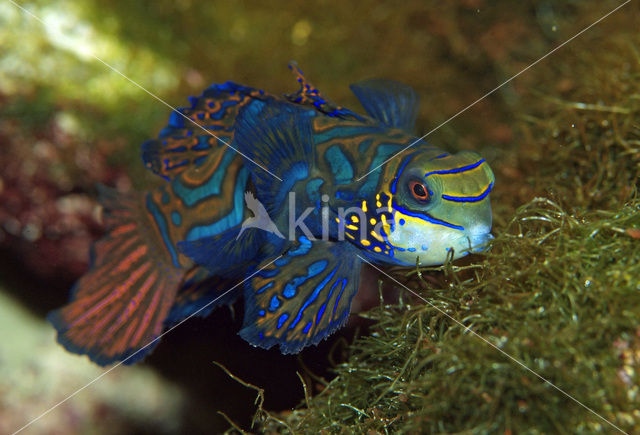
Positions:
{"x": 302, "y": 297}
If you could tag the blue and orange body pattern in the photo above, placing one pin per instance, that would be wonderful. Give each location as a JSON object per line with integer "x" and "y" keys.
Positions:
{"x": 173, "y": 251}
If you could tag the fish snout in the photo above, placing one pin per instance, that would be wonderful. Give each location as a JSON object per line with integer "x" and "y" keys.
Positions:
{"x": 479, "y": 242}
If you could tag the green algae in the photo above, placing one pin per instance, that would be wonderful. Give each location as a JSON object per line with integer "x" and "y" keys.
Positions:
{"x": 555, "y": 293}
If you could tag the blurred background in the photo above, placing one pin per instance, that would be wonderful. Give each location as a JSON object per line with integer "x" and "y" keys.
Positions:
{"x": 68, "y": 122}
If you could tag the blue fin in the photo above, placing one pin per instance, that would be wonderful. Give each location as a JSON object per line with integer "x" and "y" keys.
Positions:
{"x": 301, "y": 298}
{"x": 224, "y": 254}
{"x": 392, "y": 103}
{"x": 278, "y": 137}
{"x": 200, "y": 289}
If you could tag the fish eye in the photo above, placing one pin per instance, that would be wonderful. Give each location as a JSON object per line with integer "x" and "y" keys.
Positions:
{"x": 419, "y": 190}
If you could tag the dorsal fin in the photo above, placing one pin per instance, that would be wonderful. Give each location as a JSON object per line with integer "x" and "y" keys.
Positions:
{"x": 309, "y": 95}
{"x": 194, "y": 132}
{"x": 389, "y": 102}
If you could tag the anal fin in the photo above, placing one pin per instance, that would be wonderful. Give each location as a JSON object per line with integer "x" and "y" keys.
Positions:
{"x": 224, "y": 254}
{"x": 200, "y": 292}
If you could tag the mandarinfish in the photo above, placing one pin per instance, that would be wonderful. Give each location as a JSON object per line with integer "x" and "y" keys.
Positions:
{"x": 324, "y": 189}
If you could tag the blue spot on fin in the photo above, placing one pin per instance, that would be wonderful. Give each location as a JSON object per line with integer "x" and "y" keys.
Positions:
{"x": 315, "y": 289}
{"x": 392, "y": 103}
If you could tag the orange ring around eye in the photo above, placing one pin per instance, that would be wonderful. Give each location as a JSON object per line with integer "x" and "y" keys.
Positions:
{"x": 419, "y": 190}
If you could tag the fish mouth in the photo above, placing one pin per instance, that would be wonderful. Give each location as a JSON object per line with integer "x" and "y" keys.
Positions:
{"x": 479, "y": 242}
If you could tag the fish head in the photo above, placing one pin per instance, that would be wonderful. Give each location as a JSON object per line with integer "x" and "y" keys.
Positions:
{"x": 437, "y": 206}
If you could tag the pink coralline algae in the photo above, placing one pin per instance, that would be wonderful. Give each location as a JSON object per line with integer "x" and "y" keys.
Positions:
{"x": 48, "y": 214}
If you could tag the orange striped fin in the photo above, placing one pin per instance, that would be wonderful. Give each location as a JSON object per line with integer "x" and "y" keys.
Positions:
{"x": 119, "y": 307}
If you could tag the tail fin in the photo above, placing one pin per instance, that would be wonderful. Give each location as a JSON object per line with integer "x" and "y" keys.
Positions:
{"x": 118, "y": 308}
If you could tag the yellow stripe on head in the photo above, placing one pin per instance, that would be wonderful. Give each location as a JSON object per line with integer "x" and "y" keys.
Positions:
{"x": 385, "y": 226}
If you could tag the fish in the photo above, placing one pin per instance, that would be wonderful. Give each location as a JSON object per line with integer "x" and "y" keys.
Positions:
{"x": 280, "y": 199}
